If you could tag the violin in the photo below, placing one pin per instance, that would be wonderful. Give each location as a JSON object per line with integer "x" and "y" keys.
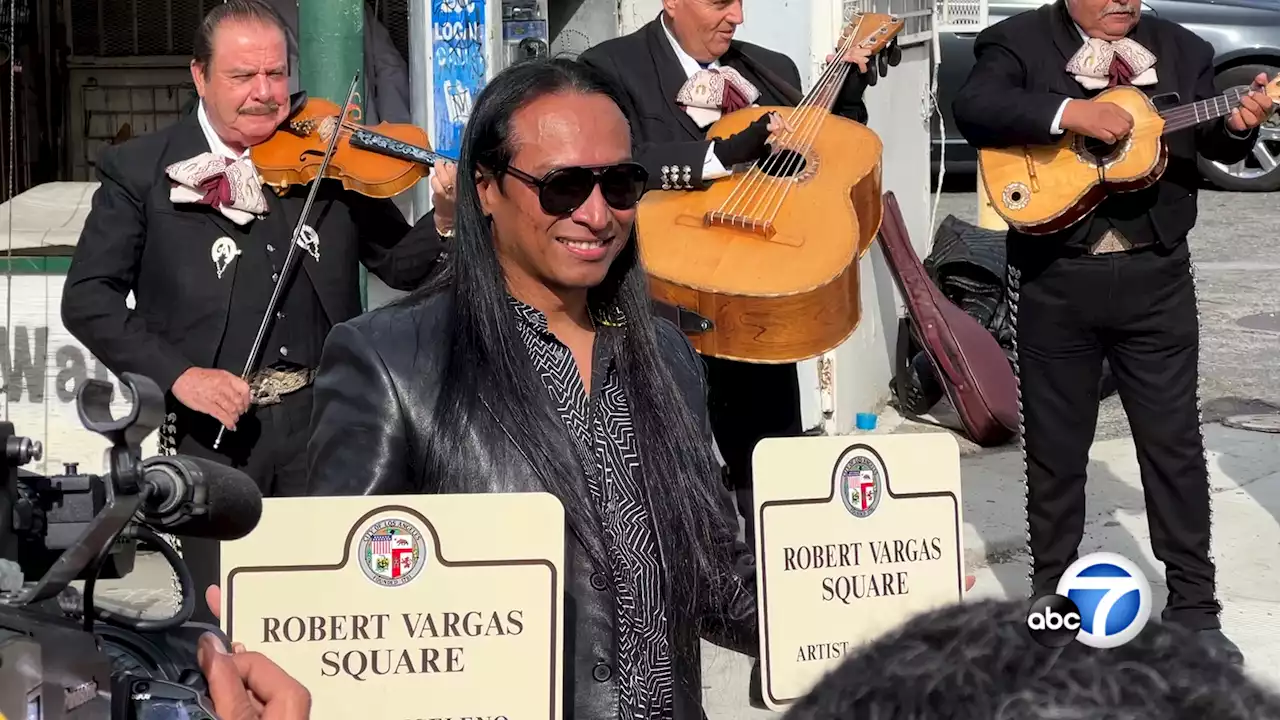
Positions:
{"x": 380, "y": 161}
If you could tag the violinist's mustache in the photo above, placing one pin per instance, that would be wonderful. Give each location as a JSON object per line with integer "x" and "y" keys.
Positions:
{"x": 269, "y": 108}
{"x": 1118, "y": 9}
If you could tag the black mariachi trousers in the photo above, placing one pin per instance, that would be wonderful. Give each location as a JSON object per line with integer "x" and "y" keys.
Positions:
{"x": 269, "y": 445}
{"x": 1138, "y": 310}
{"x": 748, "y": 402}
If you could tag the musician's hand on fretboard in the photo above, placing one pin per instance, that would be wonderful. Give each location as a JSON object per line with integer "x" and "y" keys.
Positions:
{"x": 859, "y": 56}
{"x": 872, "y": 65}
{"x": 1254, "y": 108}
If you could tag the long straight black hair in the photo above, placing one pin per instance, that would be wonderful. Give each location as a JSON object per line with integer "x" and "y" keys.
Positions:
{"x": 489, "y": 369}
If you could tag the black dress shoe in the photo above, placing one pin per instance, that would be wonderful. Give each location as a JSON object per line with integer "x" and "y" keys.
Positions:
{"x": 1220, "y": 643}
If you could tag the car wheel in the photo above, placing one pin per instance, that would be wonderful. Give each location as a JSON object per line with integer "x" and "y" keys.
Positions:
{"x": 1260, "y": 170}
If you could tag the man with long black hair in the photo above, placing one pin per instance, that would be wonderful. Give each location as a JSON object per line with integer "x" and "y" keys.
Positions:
{"x": 534, "y": 363}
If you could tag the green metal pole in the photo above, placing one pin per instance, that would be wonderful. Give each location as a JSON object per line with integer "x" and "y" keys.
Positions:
{"x": 330, "y": 51}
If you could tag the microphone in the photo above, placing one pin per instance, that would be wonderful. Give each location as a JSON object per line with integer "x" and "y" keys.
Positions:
{"x": 199, "y": 498}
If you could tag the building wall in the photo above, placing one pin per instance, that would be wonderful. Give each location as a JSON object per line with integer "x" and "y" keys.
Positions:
{"x": 44, "y": 367}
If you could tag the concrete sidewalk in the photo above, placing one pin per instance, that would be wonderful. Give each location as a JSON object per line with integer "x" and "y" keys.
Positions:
{"x": 1245, "y": 485}
{"x": 1244, "y": 477}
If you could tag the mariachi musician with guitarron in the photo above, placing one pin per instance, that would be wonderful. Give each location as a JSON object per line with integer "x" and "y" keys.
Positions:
{"x": 1089, "y": 117}
{"x": 682, "y": 72}
{"x": 196, "y": 221}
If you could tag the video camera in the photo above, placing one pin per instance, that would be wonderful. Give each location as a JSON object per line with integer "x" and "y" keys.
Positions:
{"x": 60, "y": 655}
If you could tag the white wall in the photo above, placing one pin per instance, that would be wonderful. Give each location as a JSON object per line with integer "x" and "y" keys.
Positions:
{"x": 43, "y": 369}
{"x": 786, "y": 26}
{"x": 864, "y": 364}
{"x": 634, "y": 13}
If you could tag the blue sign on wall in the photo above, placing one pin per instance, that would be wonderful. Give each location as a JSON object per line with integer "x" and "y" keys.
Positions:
{"x": 457, "y": 45}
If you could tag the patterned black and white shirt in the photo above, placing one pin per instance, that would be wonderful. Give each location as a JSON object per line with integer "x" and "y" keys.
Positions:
{"x": 601, "y": 429}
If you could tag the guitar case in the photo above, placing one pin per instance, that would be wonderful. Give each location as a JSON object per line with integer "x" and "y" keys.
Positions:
{"x": 967, "y": 361}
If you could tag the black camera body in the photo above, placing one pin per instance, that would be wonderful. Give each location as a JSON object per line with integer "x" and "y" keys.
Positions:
{"x": 60, "y": 657}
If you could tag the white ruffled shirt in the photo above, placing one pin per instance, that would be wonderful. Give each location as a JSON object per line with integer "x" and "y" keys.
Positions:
{"x": 711, "y": 165}
{"x": 1056, "y": 128}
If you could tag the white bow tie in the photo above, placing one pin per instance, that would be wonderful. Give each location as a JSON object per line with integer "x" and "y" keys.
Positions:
{"x": 1092, "y": 64}
{"x": 709, "y": 93}
{"x": 232, "y": 187}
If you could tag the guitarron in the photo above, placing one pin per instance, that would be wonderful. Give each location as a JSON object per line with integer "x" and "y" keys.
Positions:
{"x": 767, "y": 257}
{"x": 1041, "y": 190}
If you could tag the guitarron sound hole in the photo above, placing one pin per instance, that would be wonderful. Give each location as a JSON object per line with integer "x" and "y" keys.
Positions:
{"x": 783, "y": 164}
{"x": 1016, "y": 196}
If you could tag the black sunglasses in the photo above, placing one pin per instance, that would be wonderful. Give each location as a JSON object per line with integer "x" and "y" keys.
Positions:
{"x": 564, "y": 190}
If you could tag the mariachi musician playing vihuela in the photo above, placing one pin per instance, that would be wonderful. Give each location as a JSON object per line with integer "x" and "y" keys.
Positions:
{"x": 184, "y": 222}
{"x": 682, "y": 72}
{"x": 1117, "y": 283}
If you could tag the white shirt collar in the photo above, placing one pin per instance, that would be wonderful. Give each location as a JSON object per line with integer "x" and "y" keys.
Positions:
{"x": 691, "y": 66}
{"x": 216, "y": 145}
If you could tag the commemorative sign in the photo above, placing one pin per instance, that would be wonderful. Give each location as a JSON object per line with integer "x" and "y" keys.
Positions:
{"x": 855, "y": 535}
{"x": 407, "y": 607}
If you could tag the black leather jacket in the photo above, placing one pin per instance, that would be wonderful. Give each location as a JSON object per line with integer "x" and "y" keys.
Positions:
{"x": 374, "y": 396}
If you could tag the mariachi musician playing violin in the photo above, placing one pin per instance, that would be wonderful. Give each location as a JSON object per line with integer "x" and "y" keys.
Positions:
{"x": 183, "y": 221}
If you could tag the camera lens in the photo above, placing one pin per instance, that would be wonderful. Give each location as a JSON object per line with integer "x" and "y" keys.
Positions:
{"x": 135, "y": 654}
{"x": 154, "y": 676}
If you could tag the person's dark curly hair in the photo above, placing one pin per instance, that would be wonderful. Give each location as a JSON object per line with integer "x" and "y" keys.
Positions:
{"x": 976, "y": 661}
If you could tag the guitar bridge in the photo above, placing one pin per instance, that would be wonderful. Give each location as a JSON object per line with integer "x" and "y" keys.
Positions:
{"x": 763, "y": 228}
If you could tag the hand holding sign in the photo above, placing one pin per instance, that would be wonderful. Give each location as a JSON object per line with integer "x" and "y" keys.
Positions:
{"x": 213, "y": 598}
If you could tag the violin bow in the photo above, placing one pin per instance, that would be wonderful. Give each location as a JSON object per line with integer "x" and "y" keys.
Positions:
{"x": 291, "y": 259}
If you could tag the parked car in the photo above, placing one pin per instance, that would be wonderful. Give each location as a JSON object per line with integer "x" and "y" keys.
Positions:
{"x": 1244, "y": 33}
